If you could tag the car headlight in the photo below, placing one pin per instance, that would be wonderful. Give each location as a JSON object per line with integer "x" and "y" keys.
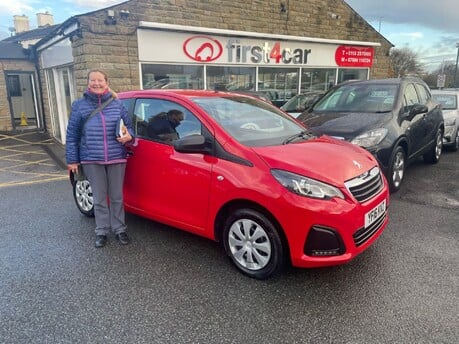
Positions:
{"x": 304, "y": 186}
{"x": 370, "y": 138}
{"x": 449, "y": 122}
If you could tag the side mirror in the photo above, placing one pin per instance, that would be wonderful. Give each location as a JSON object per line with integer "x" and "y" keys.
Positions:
{"x": 191, "y": 144}
{"x": 410, "y": 111}
{"x": 417, "y": 109}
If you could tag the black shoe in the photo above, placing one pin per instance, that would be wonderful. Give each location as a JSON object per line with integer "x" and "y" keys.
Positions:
{"x": 122, "y": 238}
{"x": 101, "y": 240}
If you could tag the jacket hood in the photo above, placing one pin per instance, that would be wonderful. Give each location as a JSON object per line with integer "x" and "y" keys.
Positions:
{"x": 325, "y": 158}
{"x": 344, "y": 125}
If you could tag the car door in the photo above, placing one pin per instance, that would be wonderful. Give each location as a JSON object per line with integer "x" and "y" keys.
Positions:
{"x": 161, "y": 183}
{"x": 430, "y": 119}
{"x": 415, "y": 129}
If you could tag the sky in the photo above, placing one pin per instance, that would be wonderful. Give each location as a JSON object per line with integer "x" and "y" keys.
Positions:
{"x": 429, "y": 28}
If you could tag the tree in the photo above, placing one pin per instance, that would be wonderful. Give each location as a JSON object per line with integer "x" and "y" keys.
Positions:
{"x": 405, "y": 62}
{"x": 448, "y": 69}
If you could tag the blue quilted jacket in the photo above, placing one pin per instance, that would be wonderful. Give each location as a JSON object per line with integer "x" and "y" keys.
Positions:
{"x": 96, "y": 142}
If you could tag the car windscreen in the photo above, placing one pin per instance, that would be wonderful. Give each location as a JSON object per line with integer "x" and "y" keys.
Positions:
{"x": 369, "y": 98}
{"x": 250, "y": 121}
{"x": 447, "y": 101}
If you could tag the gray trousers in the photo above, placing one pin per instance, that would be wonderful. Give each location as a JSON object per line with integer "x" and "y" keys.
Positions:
{"x": 107, "y": 190}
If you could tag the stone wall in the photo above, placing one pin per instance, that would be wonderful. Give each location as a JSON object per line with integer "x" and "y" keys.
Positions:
{"x": 113, "y": 46}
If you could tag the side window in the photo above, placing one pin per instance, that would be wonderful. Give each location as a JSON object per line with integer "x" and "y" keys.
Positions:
{"x": 163, "y": 120}
{"x": 410, "y": 97}
{"x": 424, "y": 94}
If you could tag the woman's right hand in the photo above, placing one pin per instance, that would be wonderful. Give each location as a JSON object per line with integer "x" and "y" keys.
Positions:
{"x": 73, "y": 167}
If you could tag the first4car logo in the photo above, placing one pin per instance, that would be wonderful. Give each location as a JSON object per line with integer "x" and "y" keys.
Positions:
{"x": 202, "y": 48}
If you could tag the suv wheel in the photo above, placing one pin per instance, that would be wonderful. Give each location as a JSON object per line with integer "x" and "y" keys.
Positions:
{"x": 253, "y": 244}
{"x": 433, "y": 154}
{"x": 396, "y": 169}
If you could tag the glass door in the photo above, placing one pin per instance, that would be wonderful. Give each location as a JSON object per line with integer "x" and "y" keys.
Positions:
{"x": 23, "y": 100}
{"x": 61, "y": 89}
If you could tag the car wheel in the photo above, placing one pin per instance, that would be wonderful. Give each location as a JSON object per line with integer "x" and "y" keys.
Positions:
{"x": 434, "y": 153}
{"x": 396, "y": 169}
{"x": 82, "y": 193}
{"x": 253, "y": 243}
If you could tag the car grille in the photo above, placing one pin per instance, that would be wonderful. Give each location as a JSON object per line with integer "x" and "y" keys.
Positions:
{"x": 363, "y": 234}
{"x": 367, "y": 185}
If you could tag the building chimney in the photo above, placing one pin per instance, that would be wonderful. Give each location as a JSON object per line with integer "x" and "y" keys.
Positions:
{"x": 44, "y": 19}
{"x": 21, "y": 23}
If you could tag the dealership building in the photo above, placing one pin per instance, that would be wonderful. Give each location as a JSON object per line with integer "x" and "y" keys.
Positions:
{"x": 278, "y": 47}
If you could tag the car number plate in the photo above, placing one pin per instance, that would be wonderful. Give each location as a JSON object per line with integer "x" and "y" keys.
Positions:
{"x": 375, "y": 213}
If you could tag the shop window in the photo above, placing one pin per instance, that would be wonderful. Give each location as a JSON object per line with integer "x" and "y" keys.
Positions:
{"x": 317, "y": 79}
{"x": 281, "y": 83}
{"x": 157, "y": 76}
{"x": 352, "y": 74}
{"x": 230, "y": 78}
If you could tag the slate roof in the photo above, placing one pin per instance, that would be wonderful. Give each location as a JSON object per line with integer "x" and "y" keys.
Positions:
{"x": 30, "y": 35}
{"x": 13, "y": 51}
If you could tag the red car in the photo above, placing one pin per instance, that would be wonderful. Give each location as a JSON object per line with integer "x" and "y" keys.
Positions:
{"x": 242, "y": 172}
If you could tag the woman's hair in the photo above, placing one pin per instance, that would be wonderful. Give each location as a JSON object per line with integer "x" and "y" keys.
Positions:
{"x": 98, "y": 71}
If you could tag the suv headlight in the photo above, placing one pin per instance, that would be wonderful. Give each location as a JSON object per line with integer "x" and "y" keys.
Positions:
{"x": 370, "y": 138}
{"x": 304, "y": 186}
{"x": 449, "y": 122}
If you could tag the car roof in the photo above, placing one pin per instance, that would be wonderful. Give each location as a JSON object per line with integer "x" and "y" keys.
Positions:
{"x": 448, "y": 91}
{"x": 384, "y": 81}
{"x": 183, "y": 92}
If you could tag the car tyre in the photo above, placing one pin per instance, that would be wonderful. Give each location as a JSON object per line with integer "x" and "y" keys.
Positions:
{"x": 253, "y": 244}
{"x": 82, "y": 194}
{"x": 434, "y": 153}
{"x": 396, "y": 169}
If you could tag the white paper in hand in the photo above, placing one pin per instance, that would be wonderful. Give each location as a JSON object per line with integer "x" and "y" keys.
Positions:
{"x": 121, "y": 128}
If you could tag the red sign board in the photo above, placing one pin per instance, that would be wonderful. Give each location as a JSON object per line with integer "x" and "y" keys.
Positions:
{"x": 354, "y": 56}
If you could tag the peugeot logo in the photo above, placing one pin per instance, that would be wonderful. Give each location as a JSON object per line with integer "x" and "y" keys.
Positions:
{"x": 202, "y": 48}
{"x": 357, "y": 164}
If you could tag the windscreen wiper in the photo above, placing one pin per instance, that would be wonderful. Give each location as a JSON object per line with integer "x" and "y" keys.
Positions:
{"x": 304, "y": 134}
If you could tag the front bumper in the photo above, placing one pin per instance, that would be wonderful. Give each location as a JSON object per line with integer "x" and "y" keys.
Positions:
{"x": 325, "y": 233}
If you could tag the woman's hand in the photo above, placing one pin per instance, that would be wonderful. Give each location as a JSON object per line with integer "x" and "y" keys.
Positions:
{"x": 126, "y": 137}
{"x": 73, "y": 167}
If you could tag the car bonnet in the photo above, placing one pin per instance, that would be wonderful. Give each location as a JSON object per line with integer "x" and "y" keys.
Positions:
{"x": 347, "y": 125}
{"x": 325, "y": 159}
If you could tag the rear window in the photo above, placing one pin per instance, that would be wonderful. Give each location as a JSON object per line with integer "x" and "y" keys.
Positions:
{"x": 447, "y": 101}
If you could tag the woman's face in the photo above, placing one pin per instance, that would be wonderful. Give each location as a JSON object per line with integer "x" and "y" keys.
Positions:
{"x": 97, "y": 83}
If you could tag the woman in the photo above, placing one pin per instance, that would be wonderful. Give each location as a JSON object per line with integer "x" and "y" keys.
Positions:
{"x": 93, "y": 142}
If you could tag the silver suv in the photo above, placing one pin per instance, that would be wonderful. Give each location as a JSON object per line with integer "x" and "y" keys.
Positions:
{"x": 449, "y": 104}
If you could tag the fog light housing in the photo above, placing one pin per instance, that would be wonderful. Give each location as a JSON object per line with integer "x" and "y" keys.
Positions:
{"x": 323, "y": 242}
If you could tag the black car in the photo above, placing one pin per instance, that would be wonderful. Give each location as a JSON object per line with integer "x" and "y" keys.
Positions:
{"x": 395, "y": 119}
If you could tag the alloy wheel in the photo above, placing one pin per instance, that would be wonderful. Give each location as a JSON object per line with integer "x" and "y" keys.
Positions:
{"x": 83, "y": 197}
{"x": 398, "y": 169}
{"x": 438, "y": 145}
